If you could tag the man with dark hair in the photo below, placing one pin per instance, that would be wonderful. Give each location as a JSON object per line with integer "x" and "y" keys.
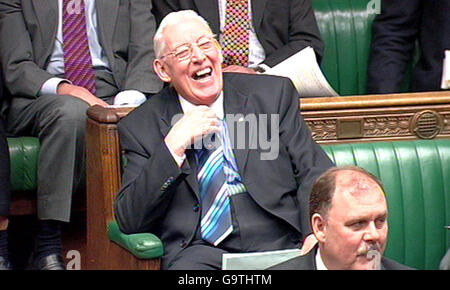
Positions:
{"x": 349, "y": 219}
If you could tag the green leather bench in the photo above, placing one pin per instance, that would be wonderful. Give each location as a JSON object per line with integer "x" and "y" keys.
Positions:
{"x": 416, "y": 177}
{"x": 24, "y": 152}
{"x": 346, "y": 30}
{"x": 417, "y": 234}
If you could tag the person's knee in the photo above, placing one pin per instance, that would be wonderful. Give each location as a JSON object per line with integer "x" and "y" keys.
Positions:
{"x": 70, "y": 108}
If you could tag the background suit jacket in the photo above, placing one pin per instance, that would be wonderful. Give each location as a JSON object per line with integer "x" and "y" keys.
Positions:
{"x": 308, "y": 262}
{"x": 159, "y": 197}
{"x": 395, "y": 31}
{"x": 28, "y": 32}
{"x": 284, "y": 27}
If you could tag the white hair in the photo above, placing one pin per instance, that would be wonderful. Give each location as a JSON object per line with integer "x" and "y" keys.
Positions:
{"x": 174, "y": 18}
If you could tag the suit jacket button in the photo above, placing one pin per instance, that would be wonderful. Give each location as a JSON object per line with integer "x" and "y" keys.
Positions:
{"x": 196, "y": 207}
{"x": 183, "y": 244}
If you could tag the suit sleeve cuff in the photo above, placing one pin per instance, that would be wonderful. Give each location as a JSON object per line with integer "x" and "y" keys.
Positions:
{"x": 129, "y": 97}
{"x": 178, "y": 159}
{"x": 263, "y": 67}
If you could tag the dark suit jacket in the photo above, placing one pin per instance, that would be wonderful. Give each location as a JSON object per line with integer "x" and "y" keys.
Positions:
{"x": 395, "y": 31}
{"x": 159, "y": 197}
{"x": 28, "y": 32}
{"x": 284, "y": 27}
{"x": 308, "y": 262}
{"x": 4, "y": 164}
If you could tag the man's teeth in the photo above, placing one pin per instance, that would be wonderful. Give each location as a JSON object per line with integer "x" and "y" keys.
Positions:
{"x": 203, "y": 72}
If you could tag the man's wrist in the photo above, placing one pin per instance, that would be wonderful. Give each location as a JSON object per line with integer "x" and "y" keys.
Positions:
{"x": 178, "y": 154}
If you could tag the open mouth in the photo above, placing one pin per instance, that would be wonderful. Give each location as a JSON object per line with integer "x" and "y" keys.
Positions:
{"x": 202, "y": 74}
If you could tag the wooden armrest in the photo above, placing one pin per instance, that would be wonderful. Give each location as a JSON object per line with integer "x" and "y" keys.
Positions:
{"x": 107, "y": 115}
{"x": 103, "y": 174}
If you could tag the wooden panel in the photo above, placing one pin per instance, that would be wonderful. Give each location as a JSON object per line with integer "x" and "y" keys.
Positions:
{"x": 378, "y": 117}
{"x": 103, "y": 182}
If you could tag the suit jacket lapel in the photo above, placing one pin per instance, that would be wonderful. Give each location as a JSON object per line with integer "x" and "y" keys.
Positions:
{"x": 173, "y": 108}
{"x": 106, "y": 20}
{"x": 210, "y": 10}
{"x": 237, "y": 106}
{"x": 47, "y": 15}
{"x": 258, "y": 7}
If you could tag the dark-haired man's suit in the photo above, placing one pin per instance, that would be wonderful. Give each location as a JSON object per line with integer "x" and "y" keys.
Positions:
{"x": 4, "y": 164}
{"x": 283, "y": 27}
{"x": 159, "y": 197}
{"x": 395, "y": 32}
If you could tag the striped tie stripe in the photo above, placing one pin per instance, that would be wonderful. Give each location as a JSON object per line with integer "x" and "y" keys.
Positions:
{"x": 215, "y": 223}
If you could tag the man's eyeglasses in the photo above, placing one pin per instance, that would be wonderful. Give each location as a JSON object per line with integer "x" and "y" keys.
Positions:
{"x": 184, "y": 51}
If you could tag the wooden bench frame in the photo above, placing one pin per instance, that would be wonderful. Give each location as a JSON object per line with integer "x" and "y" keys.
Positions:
{"x": 331, "y": 120}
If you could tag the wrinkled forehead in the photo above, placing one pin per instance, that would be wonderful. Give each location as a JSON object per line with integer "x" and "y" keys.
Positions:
{"x": 188, "y": 31}
{"x": 351, "y": 185}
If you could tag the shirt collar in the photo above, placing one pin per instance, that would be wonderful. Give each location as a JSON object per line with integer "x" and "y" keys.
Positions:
{"x": 217, "y": 106}
{"x": 319, "y": 262}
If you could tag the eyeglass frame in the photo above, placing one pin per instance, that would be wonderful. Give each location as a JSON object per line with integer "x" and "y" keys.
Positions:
{"x": 190, "y": 47}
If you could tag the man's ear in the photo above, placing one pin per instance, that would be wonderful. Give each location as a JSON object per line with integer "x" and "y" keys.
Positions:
{"x": 319, "y": 227}
{"x": 160, "y": 70}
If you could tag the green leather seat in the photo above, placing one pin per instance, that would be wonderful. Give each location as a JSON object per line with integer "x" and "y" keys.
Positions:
{"x": 23, "y": 152}
{"x": 416, "y": 177}
{"x": 346, "y": 29}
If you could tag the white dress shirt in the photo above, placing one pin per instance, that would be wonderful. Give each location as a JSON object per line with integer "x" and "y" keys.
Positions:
{"x": 319, "y": 262}
{"x": 186, "y": 106}
{"x": 98, "y": 56}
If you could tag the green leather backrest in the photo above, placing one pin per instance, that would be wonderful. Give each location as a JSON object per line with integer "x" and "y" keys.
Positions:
{"x": 23, "y": 152}
{"x": 345, "y": 27}
{"x": 416, "y": 177}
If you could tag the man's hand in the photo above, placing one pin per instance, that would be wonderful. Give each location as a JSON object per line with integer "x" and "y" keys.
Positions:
{"x": 308, "y": 244}
{"x": 199, "y": 122}
{"x": 81, "y": 93}
{"x": 239, "y": 69}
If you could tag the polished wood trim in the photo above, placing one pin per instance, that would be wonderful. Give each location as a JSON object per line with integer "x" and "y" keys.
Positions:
{"x": 374, "y": 101}
{"x": 379, "y": 117}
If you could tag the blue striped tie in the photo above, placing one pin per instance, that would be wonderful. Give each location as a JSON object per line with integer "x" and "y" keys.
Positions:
{"x": 216, "y": 223}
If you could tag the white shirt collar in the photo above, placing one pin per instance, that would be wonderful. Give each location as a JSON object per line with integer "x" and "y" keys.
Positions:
{"x": 217, "y": 106}
{"x": 319, "y": 262}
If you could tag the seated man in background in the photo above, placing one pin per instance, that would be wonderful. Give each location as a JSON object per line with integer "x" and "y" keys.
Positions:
{"x": 394, "y": 35}
{"x": 59, "y": 58}
{"x": 254, "y": 34}
{"x": 204, "y": 201}
{"x": 349, "y": 219}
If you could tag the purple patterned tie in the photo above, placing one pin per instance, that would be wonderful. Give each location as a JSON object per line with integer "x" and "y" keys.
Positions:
{"x": 77, "y": 58}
